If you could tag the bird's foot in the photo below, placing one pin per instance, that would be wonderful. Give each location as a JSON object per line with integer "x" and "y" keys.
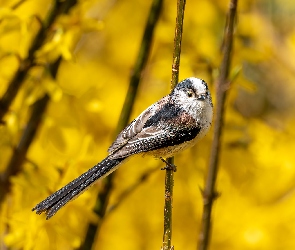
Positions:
{"x": 169, "y": 166}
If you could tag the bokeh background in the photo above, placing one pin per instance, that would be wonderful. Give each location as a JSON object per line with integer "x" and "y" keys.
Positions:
{"x": 99, "y": 41}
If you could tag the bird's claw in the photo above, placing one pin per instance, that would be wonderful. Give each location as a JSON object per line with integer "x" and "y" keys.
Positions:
{"x": 169, "y": 166}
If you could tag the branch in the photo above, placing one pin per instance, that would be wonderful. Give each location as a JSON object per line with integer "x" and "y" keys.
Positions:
{"x": 169, "y": 181}
{"x": 26, "y": 64}
{"x": 209, "y": 193}
{"x": 144, "y": 51}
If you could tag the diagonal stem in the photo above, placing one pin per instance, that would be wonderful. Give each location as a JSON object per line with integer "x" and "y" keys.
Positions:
{"x": 209, "y": 193}
{"x": 144, "y": 51}
{"x": 39, "y": 107}
{"x": 26, "y": 64}
{"x": 19, "y": 154}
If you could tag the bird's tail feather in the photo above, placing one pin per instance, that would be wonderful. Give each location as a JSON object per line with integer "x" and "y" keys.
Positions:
{"x": 61, "y": 197}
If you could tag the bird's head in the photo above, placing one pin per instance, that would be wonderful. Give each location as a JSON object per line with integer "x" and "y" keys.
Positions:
{"x": 193, "y": 96}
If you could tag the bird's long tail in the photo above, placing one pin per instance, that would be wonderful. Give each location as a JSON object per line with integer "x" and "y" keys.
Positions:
{"x": 61, "y": 197}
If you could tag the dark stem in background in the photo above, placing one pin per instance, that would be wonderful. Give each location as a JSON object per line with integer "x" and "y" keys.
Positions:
{"x": 59, "y": 7}
{"x": 19, "y": 154}
{"x": 223, "y": 84}
{"x": 39, "y": 107}
{"x": 169, "y": 181}
{"x": 16, "y": 5}
{"x": 144, "y": 51}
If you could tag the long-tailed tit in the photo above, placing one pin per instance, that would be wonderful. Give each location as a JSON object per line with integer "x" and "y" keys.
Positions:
{"x": 174, "y": 123}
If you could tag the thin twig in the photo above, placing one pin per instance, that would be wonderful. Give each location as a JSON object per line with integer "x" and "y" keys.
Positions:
{"x": 26, "y": 64}
{"x": 144, "y": 51}
{"x": 139, "y": 66}
{"x": 169, "y": 181}
{"x": 209, "y": 193}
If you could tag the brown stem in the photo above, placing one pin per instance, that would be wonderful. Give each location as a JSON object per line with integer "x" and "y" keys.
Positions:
{"x": 209, "y": 193}
{"x": 169, "y": 180}
{"x": 177, "y": 42}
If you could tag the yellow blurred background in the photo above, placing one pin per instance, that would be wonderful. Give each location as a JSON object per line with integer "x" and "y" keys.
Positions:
{"x": 99, "y": 42}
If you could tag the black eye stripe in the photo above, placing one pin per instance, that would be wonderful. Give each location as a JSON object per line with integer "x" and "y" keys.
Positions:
{"x": 188, "y": 85}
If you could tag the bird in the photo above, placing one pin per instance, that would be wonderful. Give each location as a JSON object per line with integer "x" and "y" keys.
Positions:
{"x": 169, "y": 126}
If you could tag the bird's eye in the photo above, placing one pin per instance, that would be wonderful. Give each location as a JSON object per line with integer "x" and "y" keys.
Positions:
{"x": 190, "y": 93}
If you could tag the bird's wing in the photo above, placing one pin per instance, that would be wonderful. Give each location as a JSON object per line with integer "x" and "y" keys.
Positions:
{"x": 136, "y": 125}
{"x": 169, "y": 126}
